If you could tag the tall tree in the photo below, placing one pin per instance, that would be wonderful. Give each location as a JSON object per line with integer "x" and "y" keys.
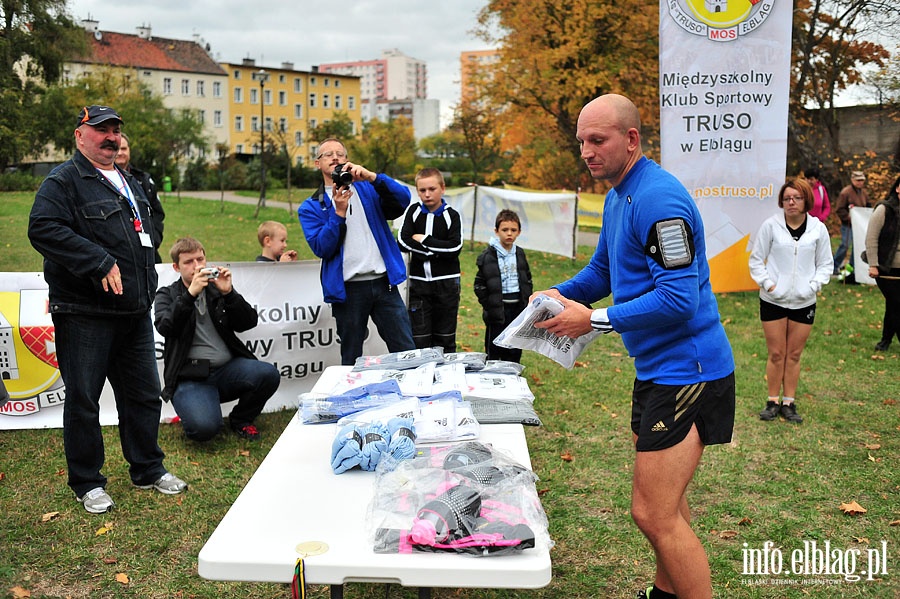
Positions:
{"x": 555, "y": 57}
{"x": 832, "y": 47}
{"x": 386, "y": 147}
{"x": 340, "y": 126}
{"x": 35, "y": 38}
{"x": 476, "y": 123}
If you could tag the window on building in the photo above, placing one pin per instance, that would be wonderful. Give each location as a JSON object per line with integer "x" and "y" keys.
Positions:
{"x": 298, "y": 138}
{"x": 201, "y": 88}
{"x": 238, "y": 95}
{"x": 313, "y": 123}
{"x": 254, "y": 96}
{"x": 281, "y": 78}
{"x": 337, "y": 102}
{"x": 326, "y": 101}
{"x": 312, "y": 81}
{"x": 217, "y": 118}
{"x": 217, "y": 89}
{"x": 282, "y": 124}
{"x": 351, "y": 102}
{"x": 254, "y": 123}
{"x": 312, "y": 100}
{"x": 326, "y": 82}
{"x": 237, "y": 74}
{"x": 298, "y": 111}
{"x": 238, "y": 123}
{"x": 337, "y": 82}
{"x": 201, "y": 116}
{"x": 268, "y": 123}
{"x": 239, "y": 149}
{"x": 267, "y": 97}
{"x": 185, "y": 87}
{"x": 298, "y": 84}
{"x": 167, "y": 86}
{"x": 282, "y": 98}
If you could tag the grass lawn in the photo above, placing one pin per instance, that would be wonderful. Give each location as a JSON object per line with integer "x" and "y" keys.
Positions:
{"x": 775, "y": 482}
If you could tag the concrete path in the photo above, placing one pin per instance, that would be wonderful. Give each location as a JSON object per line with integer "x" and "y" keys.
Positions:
{"x": 588, "y": 238}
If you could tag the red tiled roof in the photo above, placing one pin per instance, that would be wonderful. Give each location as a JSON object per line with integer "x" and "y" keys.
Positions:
{"x": 128, "y": 50}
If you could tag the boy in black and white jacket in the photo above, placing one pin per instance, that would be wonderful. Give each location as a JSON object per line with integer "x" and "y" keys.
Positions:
{"x": 432, "y": 235}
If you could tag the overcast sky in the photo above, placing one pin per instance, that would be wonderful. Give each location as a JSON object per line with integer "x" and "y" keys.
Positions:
{"x": 310, "y": 33}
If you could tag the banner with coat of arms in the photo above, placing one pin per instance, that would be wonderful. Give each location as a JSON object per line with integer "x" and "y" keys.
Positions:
{"x": 724, "y": 90}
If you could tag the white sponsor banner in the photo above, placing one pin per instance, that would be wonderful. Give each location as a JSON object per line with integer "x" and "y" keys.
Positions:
{"x": 548, "y": 219}
{"x": 296, "y": 333}
{"x": 724, "y": 87}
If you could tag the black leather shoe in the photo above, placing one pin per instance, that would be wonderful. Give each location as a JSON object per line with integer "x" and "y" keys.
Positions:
{"x": 883, "y": 345}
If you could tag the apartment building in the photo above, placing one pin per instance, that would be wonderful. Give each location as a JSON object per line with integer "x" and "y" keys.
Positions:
{"x": 472, "y": 62}
{"x": 182, "y": 72}
{"x": 391, "y": 86}
{"x": 288, "y": 103}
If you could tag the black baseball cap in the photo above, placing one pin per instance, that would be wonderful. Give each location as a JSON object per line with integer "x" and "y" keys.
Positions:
{"x": 94, "y": 115}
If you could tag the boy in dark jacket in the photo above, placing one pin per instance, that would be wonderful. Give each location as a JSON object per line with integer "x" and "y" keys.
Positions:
{"x": 503, "y": 283}
{"x": 206, "y": 364}
{"x": 432, "y": 234}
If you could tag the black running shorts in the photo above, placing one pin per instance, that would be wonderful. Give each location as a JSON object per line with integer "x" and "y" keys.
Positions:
{"x": 662, "y": 415}
{"x": 769, "y": 311}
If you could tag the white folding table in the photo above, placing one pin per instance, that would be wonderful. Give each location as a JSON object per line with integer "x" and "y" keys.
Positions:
{"x": 295, "y": 506}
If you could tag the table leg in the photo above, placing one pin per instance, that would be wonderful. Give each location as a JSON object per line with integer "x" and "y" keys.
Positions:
{"x": 337, "y": 591}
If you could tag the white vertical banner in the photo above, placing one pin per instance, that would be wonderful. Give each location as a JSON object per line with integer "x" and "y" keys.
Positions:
{"x": 724, "y": 89}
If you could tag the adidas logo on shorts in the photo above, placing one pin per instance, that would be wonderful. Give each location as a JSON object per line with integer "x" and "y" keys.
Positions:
{"x": 659, "y": 427}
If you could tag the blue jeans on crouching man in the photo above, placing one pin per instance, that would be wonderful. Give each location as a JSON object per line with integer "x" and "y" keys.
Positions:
{"x": 380, "y": 300}
{"x": 89, "y": 350}
{"x": 198, "y": 403}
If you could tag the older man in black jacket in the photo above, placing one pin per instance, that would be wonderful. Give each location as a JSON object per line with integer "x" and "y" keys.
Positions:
{"x": 93, "y": 226}
{"x": 206, "y": 364}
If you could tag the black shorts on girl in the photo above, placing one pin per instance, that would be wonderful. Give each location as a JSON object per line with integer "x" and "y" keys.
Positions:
{"x": 662, "y": 415}
{"x": 769, "y": 312}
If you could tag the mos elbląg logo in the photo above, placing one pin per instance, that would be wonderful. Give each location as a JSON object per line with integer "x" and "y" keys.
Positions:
{"x": 720, "y": 20}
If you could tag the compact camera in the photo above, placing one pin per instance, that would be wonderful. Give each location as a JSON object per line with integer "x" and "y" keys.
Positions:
{"x": 341, "y": 177}
{"x": 212, "y": 272}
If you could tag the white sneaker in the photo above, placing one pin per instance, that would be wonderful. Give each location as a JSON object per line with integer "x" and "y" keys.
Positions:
{"x": 168, "y": 484}
{"x": 96, "y": 501}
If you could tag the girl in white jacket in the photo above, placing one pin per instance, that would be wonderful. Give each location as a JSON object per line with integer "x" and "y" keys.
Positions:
{"x": 790, "y": 261}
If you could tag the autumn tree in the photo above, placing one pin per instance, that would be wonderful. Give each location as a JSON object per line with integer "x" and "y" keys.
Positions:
{"x": 339, "y": 126}
{"x": 476, "y": 123}
{"x": 832, "y": 47}
{"x": 35, "y": 38}
{"x": 554, "y": 58}
{"x": 386, "y": 147}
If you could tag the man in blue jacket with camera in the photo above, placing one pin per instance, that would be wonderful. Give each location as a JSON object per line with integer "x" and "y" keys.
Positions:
{"x": 345, "y": 224}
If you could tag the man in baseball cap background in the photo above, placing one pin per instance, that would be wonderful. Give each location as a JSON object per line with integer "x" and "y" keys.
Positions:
{"x": 851, "y": 196}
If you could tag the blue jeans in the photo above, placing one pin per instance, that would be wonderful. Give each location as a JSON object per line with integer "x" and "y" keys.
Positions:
{"x": 380, "y": 300}
{"x": 845, "y": 246}
{"x": 198, "y": 403}
{"x": 89, "y": 350}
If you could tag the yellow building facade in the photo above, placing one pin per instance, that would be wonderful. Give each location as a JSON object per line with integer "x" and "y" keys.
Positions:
{"x": 288, "y": 104}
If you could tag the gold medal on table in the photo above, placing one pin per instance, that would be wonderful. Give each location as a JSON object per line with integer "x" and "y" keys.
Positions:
{"x": 310, "y": 548}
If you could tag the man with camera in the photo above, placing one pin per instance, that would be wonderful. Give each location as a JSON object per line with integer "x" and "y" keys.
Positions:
{"x": 206, "y": 364}
{"x": 345, "y": 224}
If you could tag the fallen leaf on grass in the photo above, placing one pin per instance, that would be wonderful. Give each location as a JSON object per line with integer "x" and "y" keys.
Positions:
{"x": 61, "y": 472}
{"x": 542, "y": 492}
{"x": 728, "y": 534}
{"x": 890, "y": 402}
{"x": 873, "y": 446}
{"x": 852, "y": 508}
{"x": 20, "y": 593}
{"x": 861, "y": 540}
{"x": 566, "y": 457}
{"x": 873, "y": 459}
{"x": 580, "y": 364}
{"x": 2, "y": 475}
{"x": 104, "y": 529}
{"x": 122, "y": 577}
{"x": 244, "y": 452}
{"x": 894, "y": 523}
{"x": 561, "y": 412}
{"x": 745, "y": 521}
{"x": 110, "y": 560}
{"x": 49, "y": 516}
{"x": 877, "y": 357}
